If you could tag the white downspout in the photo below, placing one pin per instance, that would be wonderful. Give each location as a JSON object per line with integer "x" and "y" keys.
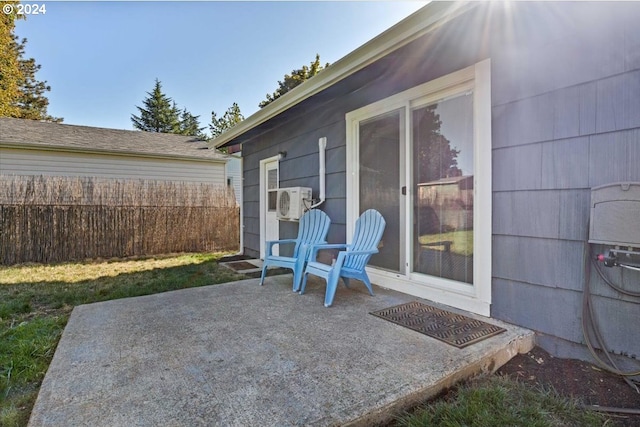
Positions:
{"x": 241, "y": 204}
{"x": 322, "y": 146}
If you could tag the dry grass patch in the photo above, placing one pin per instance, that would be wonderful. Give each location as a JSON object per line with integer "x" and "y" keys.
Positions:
{"x": 78, "y": 272}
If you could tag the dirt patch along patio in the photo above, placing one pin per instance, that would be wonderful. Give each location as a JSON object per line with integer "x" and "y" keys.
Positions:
{"x": 244, "y": 354}
{"x": 595, "y": 387}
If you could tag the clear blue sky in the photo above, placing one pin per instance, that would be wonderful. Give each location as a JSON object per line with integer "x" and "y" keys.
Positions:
{"x": 100, "y": 58}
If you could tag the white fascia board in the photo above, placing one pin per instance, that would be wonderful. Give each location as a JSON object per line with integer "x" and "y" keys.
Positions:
{"x": 415, "y": 25}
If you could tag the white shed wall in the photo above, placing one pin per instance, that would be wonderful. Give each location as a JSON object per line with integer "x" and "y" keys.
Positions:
{"x": 15, "y": 161}
{"x": 234, "y": 175}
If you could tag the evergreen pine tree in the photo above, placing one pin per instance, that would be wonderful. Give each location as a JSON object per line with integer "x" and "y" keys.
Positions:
{"x": 21, "y": 94}
{"x": 31, "y": 102}
{"x": 9, "y": 66}
{"x": 294, "y": 79}
{"x": 160, "y": 113}
{"x": 190, "y": 125}
{"x": 229, "y": 119}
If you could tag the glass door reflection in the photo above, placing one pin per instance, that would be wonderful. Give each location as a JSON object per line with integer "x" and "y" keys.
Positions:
{"x": 442, "y": 236}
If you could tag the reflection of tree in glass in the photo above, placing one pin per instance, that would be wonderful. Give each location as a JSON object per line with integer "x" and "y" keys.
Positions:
{"x": 443, "y": 234}
{"x": 435, "y": 158}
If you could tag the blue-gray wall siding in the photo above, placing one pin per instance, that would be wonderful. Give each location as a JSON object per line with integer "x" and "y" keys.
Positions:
{"x": 299, "y": 168}
{"x": 566, "y": 117}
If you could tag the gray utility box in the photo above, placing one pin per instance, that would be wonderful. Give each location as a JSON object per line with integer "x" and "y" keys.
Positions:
{"x": 615, "y": 214}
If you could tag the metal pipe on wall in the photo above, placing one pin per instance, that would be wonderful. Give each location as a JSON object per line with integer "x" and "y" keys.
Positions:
{"x": 322, "y": 146}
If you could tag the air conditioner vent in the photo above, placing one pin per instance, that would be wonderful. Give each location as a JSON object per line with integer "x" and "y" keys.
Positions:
{"x": 292, "y": 202}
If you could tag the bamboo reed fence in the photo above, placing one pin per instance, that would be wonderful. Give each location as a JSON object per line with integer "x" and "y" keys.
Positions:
{"x": 54, "y": 219}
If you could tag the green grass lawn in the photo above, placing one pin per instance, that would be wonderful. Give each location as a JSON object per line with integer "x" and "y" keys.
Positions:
{"x": 36, "y": 301}
{"x": 498, "y": 401}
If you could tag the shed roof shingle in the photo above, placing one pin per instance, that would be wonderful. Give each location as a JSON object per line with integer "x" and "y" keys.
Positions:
{"x": 84, "y": 138}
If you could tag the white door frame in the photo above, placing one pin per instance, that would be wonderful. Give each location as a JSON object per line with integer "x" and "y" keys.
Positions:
{"x": 263, "y": 201}
{"x": 476, "y": 298}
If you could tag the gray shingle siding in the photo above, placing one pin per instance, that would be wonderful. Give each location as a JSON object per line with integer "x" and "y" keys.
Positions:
{"x": 559, "y": 310}
{"x": 538, "y": 261}
{"x": 566, "y": 118}
{"x": 580, "y": 42}
{"x": 563, "y": 163}
{"x": 540, "y": 308}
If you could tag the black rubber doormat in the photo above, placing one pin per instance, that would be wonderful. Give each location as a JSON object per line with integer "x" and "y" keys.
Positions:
{"x": 241, "y": 265}
{"x": 455, "y": 329}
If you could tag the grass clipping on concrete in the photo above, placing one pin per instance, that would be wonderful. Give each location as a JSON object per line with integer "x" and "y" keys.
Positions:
{"x": 500, "y": 401}
{"x": 36, "y": 301}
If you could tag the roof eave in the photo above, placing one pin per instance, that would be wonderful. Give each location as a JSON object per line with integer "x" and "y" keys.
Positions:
{"x": 417, "y": 24}
{"x": 51, "y": 147}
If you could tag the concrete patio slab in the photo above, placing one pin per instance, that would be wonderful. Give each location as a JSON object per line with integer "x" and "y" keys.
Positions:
{"x": 240, "y": 354}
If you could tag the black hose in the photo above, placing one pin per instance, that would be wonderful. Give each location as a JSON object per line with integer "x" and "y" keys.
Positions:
{"x": 589, "y": 322}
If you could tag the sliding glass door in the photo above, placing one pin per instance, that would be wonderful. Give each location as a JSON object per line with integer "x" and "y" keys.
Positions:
{"x": 423, "y": 159}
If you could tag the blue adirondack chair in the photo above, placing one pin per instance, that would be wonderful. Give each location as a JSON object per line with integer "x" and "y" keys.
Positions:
{"x": 351, "y": 262}
{"x": 313, "y": 229}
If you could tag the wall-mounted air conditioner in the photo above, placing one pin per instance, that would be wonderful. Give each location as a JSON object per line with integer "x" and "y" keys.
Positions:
{"x": 292, "y": 202}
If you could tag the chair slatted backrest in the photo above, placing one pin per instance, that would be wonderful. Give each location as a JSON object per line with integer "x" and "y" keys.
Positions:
{"x": 367, "y": 235}
{"x": 313, "y": 228}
